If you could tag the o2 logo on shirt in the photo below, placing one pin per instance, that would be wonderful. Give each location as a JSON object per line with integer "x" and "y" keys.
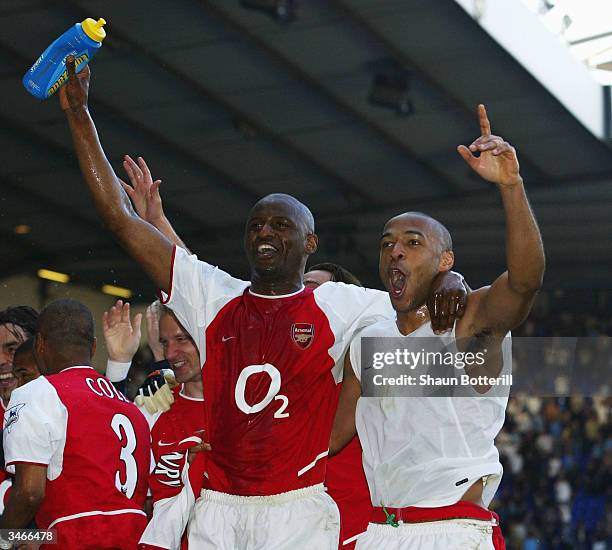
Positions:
{"x": 275, "y": 385}
{"x": 12, "y": 415}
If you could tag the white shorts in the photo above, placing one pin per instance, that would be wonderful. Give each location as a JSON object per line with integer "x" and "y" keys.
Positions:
{"x": 451, "y": 534}
{"x": 305, "y": 519}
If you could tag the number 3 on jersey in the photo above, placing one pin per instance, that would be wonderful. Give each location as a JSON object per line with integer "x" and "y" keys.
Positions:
{"x": 124, "y": 430}
{"x": 275, "y": 384}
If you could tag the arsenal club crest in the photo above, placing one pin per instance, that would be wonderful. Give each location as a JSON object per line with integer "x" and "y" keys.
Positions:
{"x": 302, "y": 334}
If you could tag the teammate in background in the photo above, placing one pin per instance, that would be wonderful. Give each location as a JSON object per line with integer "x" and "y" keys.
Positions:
{"x": 327, "y": 271}
{"x": 431, "y": 463}
{"x": 25, "y": 368}
{"x": 17, "y": 324}
{"x": 122, "y": 339}
{"x": 78, "y": 449}
{"x": 270, "y": 352}
{"x": 170, "y": 429}
{"x": 344, "y": 479}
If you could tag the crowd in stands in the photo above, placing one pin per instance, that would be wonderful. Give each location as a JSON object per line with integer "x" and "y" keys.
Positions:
{"x": 556, "y": 451}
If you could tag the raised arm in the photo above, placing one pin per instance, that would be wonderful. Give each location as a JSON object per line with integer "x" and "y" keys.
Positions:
{"x": 151, "y": 249}
{"x": 507, "y": 302}
{"x": 144, "y": 193}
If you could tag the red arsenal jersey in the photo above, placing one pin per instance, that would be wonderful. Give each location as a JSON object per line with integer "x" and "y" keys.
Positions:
{"x": 270, "y": 369}
{"x": 94, "y": 442}
{"x": 169, "y": 430}
{"x": 347, "y": 485}
{"x": 184, "y": 419}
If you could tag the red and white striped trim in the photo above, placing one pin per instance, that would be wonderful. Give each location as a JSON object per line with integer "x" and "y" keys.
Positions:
{"x": 352, "y": 539}
{"x": 96, "y": 513}
{"x": 164, "y": 297}
{"x": 313, "y": 463}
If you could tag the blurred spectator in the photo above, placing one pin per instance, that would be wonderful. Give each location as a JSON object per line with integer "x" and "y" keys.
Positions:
{"x": 557, "y": 452}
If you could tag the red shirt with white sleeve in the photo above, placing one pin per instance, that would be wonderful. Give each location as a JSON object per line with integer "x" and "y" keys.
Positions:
{"x": 95, "y": 444}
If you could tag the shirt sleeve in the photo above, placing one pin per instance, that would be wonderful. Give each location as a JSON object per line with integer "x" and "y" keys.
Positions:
{"x": 355, "y": 355}
{"x": 197, "y": 292}
{"x": 350, "y": 308}
{"x": 34, "y": 425}
{"x": 117, "y": 371}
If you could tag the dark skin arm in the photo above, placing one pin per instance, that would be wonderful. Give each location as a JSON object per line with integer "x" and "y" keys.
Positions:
{"x": 447, "y": 300}
{"x": 25, "y": 497}
{"x": 147, "y": 245}
{"x": 494, "y": 310}
{"x": 344, "y": 428}
{"x": 506, "y": 303}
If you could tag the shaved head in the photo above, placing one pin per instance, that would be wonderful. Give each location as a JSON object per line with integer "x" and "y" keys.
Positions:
{"x": 437, "y": 229}
{"x": 298, "y": 210}
{"x": 278, "y": 238}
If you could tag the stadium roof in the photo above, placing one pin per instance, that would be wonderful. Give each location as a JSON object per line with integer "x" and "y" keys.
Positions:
{"x": 228, "y": 104}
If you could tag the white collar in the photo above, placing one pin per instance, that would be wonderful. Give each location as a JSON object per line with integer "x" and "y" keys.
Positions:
{"x": 276, "y": 297}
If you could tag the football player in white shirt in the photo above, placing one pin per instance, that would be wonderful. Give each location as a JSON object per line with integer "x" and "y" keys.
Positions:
{"x": 431, "y": 463}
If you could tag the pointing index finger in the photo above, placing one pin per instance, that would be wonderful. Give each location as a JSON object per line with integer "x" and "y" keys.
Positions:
{"x": 483, "y": 119}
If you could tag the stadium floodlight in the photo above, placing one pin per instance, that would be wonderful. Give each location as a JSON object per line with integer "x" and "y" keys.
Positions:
{"x": 390, "y": 90}
{"x": 54, "y": 276}
{"x": 22, "y": 229}
{"x": 282, "y": 10}
{"x": 118, "y": 291}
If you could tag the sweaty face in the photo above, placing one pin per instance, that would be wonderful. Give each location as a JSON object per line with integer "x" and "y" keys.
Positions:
{"x": 410, "y": 258}
{"x": 316, "y": 278}
{"x": 11, "y": 336}
{"x": 275, "y": 239}
{"x": 179, "y": 350}
{"x": 25, "y": 369}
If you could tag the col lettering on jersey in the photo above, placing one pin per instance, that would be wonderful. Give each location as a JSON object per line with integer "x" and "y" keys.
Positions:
{"x": 94, "y": 442}
{"x": 270, "y": 368}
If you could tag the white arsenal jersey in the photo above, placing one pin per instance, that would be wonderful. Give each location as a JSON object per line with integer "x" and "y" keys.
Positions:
{"x": 427, "y": 451}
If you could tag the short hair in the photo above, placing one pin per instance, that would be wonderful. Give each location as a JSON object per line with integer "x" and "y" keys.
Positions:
{"x": 24, "y": 317}
{"x": 165, "y": 310}
{"x": 67, "y": 323}
{"x": 339, "y": 274}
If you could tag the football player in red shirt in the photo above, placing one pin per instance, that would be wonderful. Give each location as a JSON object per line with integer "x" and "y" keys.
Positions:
{"x": 345, "y": 479}
{"x": 171, "y": 429}
{"x": 271, "y": 354}
{"x": 79, "y": 450}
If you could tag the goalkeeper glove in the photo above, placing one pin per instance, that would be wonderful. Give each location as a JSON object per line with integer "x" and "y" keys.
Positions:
{"x": 155, "y": 395}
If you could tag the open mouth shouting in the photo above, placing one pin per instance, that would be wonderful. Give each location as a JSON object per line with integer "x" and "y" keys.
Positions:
{"x": 397, "y": 282}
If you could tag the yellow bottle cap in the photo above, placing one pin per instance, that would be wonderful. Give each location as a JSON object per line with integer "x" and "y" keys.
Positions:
{"x": 94, "y": 29}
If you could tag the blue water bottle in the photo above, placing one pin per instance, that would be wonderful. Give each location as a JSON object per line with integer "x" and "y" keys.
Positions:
{"x": 49, "y": 72}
